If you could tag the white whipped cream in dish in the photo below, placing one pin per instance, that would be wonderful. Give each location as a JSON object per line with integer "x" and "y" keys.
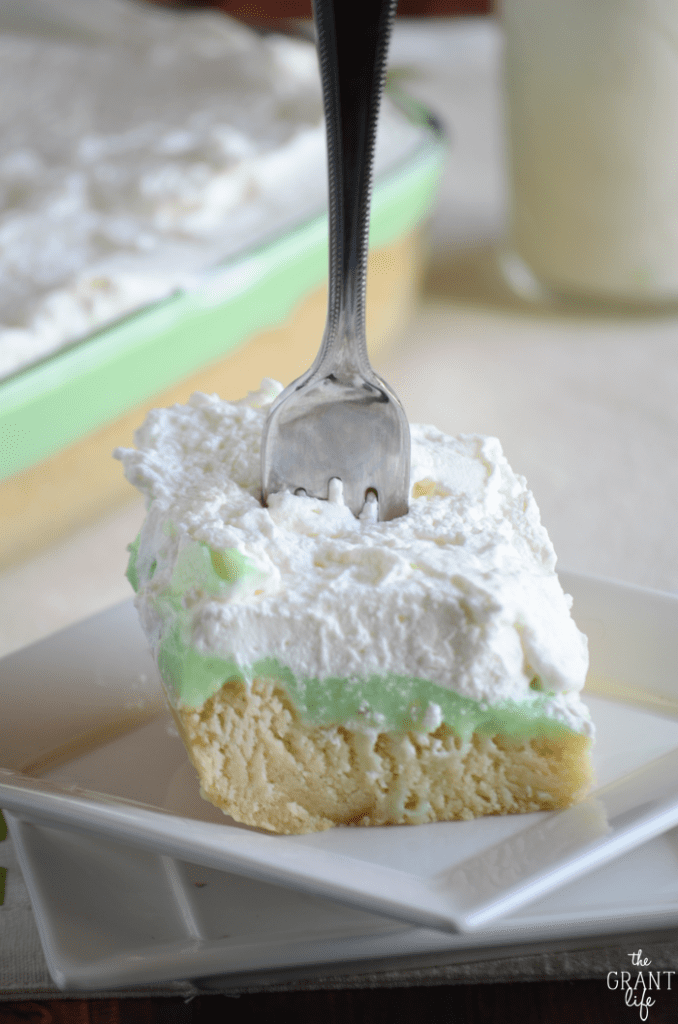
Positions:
{"x": 140, "y": 147}
{"x": 460, "y": 595}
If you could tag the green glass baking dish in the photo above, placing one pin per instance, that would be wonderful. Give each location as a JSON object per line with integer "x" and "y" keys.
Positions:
{"x": 259, "y": 314}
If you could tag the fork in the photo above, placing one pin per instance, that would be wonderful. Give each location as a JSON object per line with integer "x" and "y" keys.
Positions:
{"x": 339, "y": 431}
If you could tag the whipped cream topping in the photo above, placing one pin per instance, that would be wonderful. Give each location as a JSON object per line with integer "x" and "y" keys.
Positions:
{"x": 140, "y": 147}
{"x": 460, "y": 592}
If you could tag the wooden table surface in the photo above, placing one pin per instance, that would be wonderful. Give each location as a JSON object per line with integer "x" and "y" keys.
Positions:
{"x": 548, "y": 1002}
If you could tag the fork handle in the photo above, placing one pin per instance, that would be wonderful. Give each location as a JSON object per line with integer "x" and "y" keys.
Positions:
{"x": 352, "y": 51}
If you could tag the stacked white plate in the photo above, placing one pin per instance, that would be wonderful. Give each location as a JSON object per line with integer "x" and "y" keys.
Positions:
{"x": 135, "y": 880}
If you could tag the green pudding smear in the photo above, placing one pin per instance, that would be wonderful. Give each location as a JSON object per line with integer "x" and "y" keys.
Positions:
{"x": 390, "y": 703}
{"x": 131, "y": 571}
{"x": 216, "y": 572}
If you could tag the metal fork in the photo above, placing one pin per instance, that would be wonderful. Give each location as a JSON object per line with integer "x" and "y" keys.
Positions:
{"x": 340, "y": 421}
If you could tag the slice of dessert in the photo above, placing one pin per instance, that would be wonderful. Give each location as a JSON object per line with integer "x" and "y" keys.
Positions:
{"x": 328, "y": 670}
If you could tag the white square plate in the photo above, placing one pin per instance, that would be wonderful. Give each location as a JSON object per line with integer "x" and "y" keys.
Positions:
{"x": 112, "y": 916}
{"x": 84, "y": 714}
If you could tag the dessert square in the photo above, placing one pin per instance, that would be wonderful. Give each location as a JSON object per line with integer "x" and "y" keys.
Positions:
{"x": 330, "y": 670}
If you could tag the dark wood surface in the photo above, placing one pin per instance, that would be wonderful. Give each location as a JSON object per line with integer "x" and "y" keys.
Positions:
{"x": 554, "y": 1002}
{"x": 255, "y": 10}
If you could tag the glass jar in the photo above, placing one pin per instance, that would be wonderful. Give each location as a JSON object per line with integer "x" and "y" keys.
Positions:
{"x": 591, "y": 92}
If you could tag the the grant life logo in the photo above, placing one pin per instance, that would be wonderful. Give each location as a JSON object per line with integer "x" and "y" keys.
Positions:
{"x": 637, "y": 991}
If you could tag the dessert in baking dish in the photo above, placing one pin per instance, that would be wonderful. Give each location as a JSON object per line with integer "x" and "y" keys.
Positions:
{"x": 143, "y": 146}
{"x": 168, "y": 164}
{"x": 325, "y": 669}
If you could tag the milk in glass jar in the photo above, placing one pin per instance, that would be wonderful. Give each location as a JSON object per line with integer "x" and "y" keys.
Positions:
{"x": 592, "y": 128}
